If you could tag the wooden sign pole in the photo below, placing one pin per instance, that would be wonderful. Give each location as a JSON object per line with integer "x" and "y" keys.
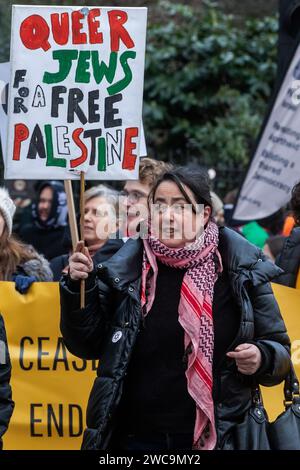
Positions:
{"x": 71, "y": 213}
{"x": 73, "y": 223}
{"x": 82, "y": 188}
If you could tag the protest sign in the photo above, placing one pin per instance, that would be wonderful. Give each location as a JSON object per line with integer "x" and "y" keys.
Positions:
{"x": 4, "y": 84}
{"x": 275, "y": 166}
{"x": 4, "y": 80}
{"x": 76, "y": 90}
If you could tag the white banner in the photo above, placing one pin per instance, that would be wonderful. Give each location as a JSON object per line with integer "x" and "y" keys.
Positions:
{"x": 76, "y": 91}
{"x": 4, "y": 80}
{"x": 275, "y": 167}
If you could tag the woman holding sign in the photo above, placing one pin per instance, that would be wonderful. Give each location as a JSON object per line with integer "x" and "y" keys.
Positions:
{"x": 183, "y": 323}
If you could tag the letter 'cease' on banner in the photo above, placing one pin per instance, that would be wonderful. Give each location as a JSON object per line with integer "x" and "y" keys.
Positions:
{"x": 76, "y": 92}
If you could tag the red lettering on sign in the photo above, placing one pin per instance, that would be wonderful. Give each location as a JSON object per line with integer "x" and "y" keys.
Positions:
{"x": 129, "y": 158}
{"x": 21, "y": 134}
{"x": 117, "y": 19}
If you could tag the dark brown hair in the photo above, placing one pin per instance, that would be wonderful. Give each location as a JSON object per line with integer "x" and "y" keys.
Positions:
{"x": 195, "y": 179}
{"x": 12, "y": 253}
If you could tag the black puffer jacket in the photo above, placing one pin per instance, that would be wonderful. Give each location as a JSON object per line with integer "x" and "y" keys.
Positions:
{"x": 113, "y": 305}
{"x": 59, "y": 263}
{"x": 6, "y": 403}
{"x": 289, "y": 260}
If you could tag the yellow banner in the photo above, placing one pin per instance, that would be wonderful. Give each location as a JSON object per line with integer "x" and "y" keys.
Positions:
{"x": 51, "y": 387}
{"x": 289, "y": 303}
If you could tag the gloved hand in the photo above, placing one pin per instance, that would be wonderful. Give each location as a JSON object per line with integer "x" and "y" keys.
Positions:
{"x": 22, "y": 283}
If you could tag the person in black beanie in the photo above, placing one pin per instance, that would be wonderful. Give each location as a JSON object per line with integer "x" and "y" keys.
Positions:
{"x": 47, "y": 231}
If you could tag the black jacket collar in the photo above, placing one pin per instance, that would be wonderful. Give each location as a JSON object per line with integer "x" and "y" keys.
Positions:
{"x": 242, "y": 260}
{"x": 124, "y": 267}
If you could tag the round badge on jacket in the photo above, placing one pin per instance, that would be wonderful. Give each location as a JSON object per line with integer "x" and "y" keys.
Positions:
{"x": 117, "y": 336}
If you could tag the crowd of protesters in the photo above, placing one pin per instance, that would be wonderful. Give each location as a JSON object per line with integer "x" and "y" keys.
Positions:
{"x": 165, "y": 308}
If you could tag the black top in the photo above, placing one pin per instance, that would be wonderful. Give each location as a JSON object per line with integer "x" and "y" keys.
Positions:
{"x": 226, "y": 318}
{"x": 155, "y": 397}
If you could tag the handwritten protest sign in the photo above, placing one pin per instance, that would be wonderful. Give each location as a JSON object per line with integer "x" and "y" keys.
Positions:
{"x": 4, "y": 83}
{"x": 75, "y": 101}
{"x": 4, "y": 79}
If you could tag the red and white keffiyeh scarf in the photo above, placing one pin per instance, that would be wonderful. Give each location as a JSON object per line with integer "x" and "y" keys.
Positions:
{"x": 194, "y": 315}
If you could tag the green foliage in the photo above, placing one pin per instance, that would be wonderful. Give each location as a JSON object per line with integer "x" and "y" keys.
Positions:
{"x": 207, "y": 83}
